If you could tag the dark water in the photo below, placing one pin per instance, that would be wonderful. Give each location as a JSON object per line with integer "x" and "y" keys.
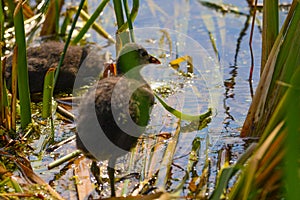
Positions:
{"x": 218, "y": 42}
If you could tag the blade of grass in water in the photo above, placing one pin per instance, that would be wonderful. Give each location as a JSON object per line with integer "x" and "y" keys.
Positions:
{"x": 166, "y": 163}
{"x": 281, "y": 65}
{"x": 10, "y": 181}
{"x": 58, "y": 5}
{"x": 68, "y": 40}
{"x": 292, "y": 141}
{"x": 91, "y": 22}
{"x": 14, "y": 77}
{"x": 270, "y": 29}
{"x": 190, "y": 67}
{"x": 67, "y": 21}
{"x": 183, "y": 116}
{"x": 23, "y": 84}
{"x": 121, "y": 37}
{"x": 48, "y": 93}
{"x": 133, "y": 14}
{"x": 278, "y": 150}
{"x": 125, "y": 3}
{"x": 118, "y": 12}
{"x": 1, "y": 62}
{"x": 5, "y": 114}
{"x": 122, "y": 26}
{"x": 50, "y": 25}
{"x": 279, "y": 142}
{"x": 64, "y": 159}
{"x": 228, "y": 172}
{"x": 16, "y": 185}
{"x": 193, "y": 159}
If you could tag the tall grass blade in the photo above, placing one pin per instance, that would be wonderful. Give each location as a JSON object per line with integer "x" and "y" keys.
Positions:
{"x": 1, "y": 24}
{"x": 228, "y": 172}
{"x": 167, "y": 160}
{"x": 270, "y": 29}
{"x": 292, "y": 156}
{"x": 2, "y": 89}
{"x": 121, "y": 37}
{"x": 50, "y": 25}
{"x": 193, "y": 160}
{"x": 281, "y": 65}
{"x": 23, "y": 84}
{"x": 125, "y": 3}
{"x": 118, "y": 12}
{"x": 133, "y": 14}
{"x": 91, "y": 22}
{"x": 67, "y": 21}
{"x": 200, "y": 118}
{"x": 14, "y": 88}
{"x": 48, "y": 93}
{"x": 274, "y": 167}
{"x": 68, "y": 41}
{"x": 4, "y": 102}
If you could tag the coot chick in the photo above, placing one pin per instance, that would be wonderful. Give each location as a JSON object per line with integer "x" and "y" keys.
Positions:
{"x": 41, "y": 58}
{"x": 115, "y": 112}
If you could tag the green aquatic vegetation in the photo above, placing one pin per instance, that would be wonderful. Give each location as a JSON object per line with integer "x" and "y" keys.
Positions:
{"x": 24, "y": 94}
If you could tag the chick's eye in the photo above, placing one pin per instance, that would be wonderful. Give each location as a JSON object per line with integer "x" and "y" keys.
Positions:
{"x": 143, "y": 53}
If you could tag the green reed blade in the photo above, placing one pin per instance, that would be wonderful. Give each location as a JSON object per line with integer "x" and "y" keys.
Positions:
{"x": 91, "y": 22}
{"x": 2, "y": 89}
{"x": 132, "y": 16}
{"x": 183, "y": 116}
{"x": 68, "y": 40}
{"x": 228, "y": 172}
{"x": 51, "y": 23}
{"x": 193, "y": 160}
{"x": 270, "y": 29}
{"x": 48, "y": 93}
{"x": 23, "y": 83}
{"x": 118, "y": 12}
{"x": 282, "y": 62}
{"x": 167, "y": 159}
{"x": 125, "y": 3}
{"x": 292, "y": 156}
{"x": 66, "y": 22}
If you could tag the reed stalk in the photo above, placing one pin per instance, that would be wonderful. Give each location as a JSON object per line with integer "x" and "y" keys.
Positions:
{"x": 270, "y": 29}
{"x": 283, "y": 61}
{"x": 91, "y": 22}
{"x": 68, "y": 41}
{"x": 23, "y": 83}
{"x": 48, "y": 93}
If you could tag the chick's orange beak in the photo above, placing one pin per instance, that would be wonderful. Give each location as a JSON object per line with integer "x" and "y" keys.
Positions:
{"x": 154, "y": 60}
